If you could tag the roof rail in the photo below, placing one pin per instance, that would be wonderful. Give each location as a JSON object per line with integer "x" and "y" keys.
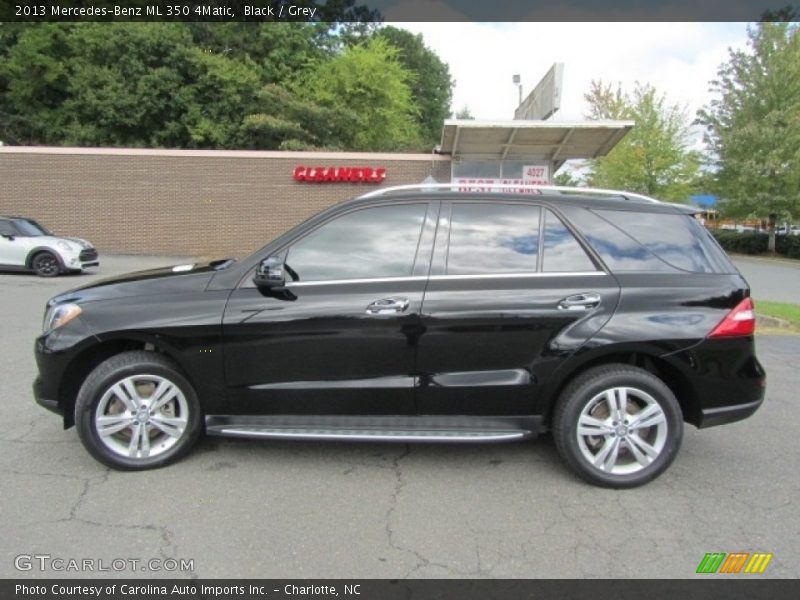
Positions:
{"x": 581, "y": 191}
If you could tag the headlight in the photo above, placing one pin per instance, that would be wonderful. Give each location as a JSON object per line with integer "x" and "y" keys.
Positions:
{"x": 64, "y": 245}
{"x": 59, "y": 315}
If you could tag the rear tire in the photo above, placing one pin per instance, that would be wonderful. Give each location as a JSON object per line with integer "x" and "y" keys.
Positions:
{"x": 136, "y": 411}
{"x": 618, "y": 426}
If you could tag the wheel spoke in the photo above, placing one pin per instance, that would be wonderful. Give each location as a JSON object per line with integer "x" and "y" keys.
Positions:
{"x": 126, "y": 392}
{"x": 622, "y": 403}
{"x": 652, "y": 415}
{"x": 642, "y": 451}
{"x": 591, "y": 426}
{"x": 111, "y": 424}
{"x": 133, "y": 446}
{"x": 617, "y": 400}
{"x": 144, "y": 440}
{"x": 165, "y": 392}
{"x": 607, "y": 457}
{"x": 611, "y": 401}
{"x": 172, "y": 426}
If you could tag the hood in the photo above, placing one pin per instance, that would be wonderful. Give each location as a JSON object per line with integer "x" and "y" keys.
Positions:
{"x": 163, "y": 280}
{"x": 84, "y": 244}
{"x": 52, "y": 240}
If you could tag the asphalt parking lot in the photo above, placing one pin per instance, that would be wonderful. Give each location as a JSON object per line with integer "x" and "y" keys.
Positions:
{"x": 298, "y": 509}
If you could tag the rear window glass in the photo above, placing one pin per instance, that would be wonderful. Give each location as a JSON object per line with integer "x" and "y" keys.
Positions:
{"x": 619, "y": 251}
{"x": 678, "y": 240}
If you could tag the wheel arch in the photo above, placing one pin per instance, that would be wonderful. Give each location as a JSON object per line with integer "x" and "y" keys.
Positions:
{"x": 38, "y": 250}
{"x": 89, "y": 358}
{"x": 644, "y": 357}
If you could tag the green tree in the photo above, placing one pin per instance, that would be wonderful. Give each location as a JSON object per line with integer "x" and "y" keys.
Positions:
{"x": 333, "y": 84}
{"x": 290, "y": 122}
{"x": 655, "y": 157}
{"x": 280, "y": 50}
{"x": 433, "y": 87}
{"x": 566, "y": 178}
{"x": 464, "y": 114}
{"x": 34, "y": 81}
{"x": 370, "y": 81}
{"x": 126, "y": 85}
{"x": 753, "y": 126}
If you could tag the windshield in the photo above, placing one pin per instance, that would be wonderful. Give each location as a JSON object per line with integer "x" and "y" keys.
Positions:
{"x": 30, "y": 228}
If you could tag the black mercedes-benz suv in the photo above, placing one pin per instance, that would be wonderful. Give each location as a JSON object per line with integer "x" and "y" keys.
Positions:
{"x": 423, "y": 314}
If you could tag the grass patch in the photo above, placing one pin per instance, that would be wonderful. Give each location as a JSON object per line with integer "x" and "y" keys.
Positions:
{"x": 780, "y": 310}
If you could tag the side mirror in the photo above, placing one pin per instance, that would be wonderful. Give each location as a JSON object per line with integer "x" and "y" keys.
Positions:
{"x": 270, "y": 274}
{"x": 8, "y": 236}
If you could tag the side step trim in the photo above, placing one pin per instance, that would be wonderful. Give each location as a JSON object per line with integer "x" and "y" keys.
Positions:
{"x": 391, "y": 428}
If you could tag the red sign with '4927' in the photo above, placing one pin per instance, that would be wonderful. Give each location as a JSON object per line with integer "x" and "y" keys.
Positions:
{"x": 339, "y": 174}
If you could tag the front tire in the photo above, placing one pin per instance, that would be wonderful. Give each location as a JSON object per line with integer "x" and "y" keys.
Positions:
{"x": 618, "y": 426}
{"x": 46, "y": 264}
{"x": 136, "y": 411}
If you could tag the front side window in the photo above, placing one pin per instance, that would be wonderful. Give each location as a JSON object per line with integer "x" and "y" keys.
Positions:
{"x": 6, "y": 228}
{"x": 30, "y": 228}
{"x": 364, "y": 244}
{"x": 493, "y": 238}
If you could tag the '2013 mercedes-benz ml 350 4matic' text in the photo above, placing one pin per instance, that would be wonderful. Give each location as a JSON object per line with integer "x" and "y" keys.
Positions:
{"x": 422, "y": 314}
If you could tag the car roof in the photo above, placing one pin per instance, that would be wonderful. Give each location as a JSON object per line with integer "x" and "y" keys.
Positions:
{"x": 608, "y": 201}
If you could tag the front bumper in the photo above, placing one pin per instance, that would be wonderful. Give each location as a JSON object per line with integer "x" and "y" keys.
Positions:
{"x": 86, "y": 258}
{"x": 55, "y": 352}
{"x": 39, "y": 395}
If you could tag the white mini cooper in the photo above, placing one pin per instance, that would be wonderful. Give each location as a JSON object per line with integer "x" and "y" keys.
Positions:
{"x": 27, "y": 246}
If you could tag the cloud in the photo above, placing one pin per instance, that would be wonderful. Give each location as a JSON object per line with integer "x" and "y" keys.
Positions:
{"x": 679, "y": 59}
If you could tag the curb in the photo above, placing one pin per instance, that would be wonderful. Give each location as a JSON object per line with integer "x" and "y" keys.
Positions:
{"x": 791, "y": 262}
{"x": 765, "y": 321}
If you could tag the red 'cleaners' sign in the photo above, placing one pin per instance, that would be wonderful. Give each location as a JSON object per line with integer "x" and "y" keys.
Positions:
{"x": 339, "y": 174}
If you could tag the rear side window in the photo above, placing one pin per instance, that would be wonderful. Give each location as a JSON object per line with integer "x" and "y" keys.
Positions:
{"x": 493, "y": 239}
{"x": 562, "y": 253}
{"x": 678, "y": 240}
{"x": 618, "y": 250}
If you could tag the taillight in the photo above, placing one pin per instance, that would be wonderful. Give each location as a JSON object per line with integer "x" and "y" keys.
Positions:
{"x": 740, "y": 321}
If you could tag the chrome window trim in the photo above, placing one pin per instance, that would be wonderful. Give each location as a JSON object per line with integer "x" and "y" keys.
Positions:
{"x": 291, "y": 284}
{"x": 445, "y": 278}
{"x": 524, "y": 275}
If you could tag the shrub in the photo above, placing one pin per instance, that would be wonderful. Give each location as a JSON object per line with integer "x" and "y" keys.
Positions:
{"x": 753, "y": 242}
{"x": 746, "y": 242}
{"x": 788, "y": 245}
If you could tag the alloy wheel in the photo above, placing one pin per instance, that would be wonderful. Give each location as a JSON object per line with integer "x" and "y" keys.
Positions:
{"x": 141, "y": 416}
{"x": 622, "y": 430}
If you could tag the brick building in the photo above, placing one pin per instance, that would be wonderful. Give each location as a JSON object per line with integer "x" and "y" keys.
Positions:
{"x": 229, "y": 203}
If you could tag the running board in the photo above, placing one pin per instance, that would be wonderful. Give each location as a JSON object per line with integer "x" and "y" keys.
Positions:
{"x": 401, "y": 428}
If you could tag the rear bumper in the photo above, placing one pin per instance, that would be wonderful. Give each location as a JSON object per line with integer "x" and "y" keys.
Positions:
{"x": 710, "y": 417}
{"x": 725, "y": 382}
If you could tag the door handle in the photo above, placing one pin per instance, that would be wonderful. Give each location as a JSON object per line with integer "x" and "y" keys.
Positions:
{"x": 387, "y": 306}
{"x": 583, "y": 301}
